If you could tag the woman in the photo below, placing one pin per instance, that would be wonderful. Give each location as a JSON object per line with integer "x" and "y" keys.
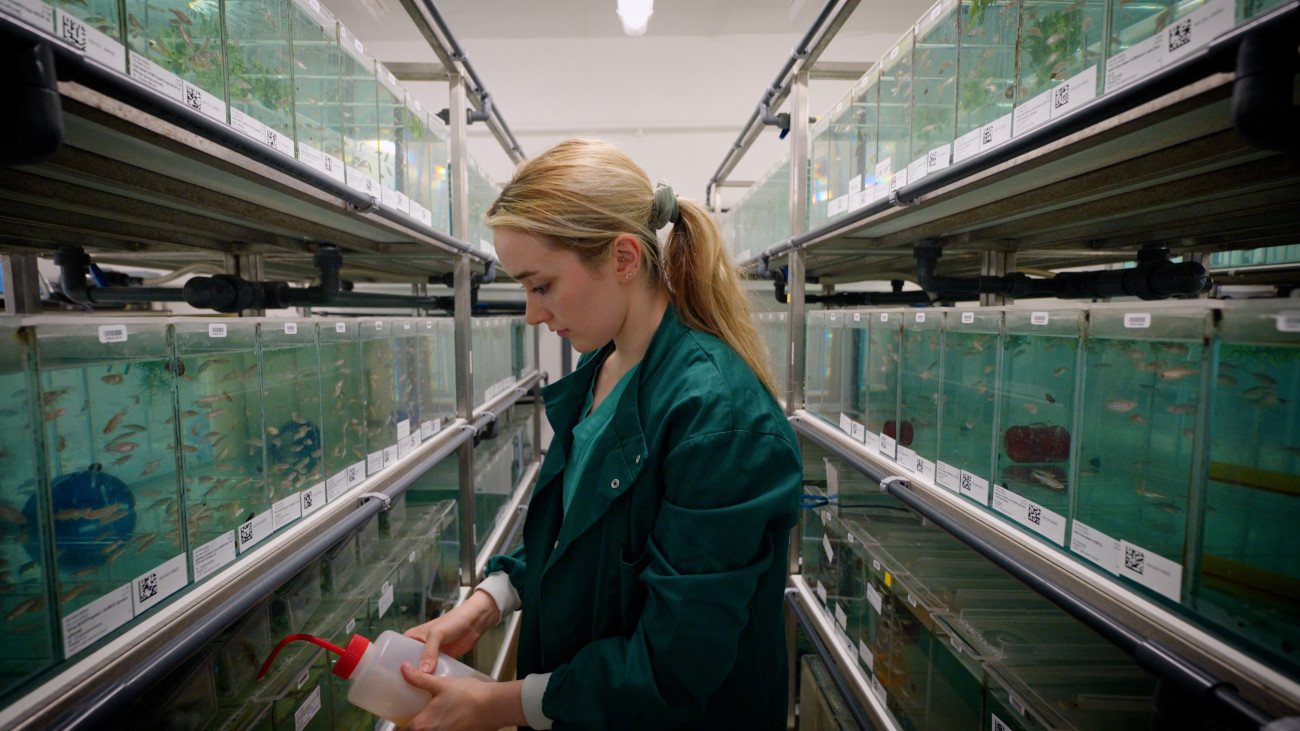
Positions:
{"x": 653, "y": 563}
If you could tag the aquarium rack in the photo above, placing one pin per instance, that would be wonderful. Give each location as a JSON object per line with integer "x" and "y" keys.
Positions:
{"x": 1195, "y": 663}
{"x": 94, "y": 691}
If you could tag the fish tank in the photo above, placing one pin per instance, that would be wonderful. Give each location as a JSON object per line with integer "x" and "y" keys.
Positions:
{"x": 843, "y": 142}
{"x": 407, "y": 362}
{"x": 880, "y": 380}
{"x": 186, "y": 693}
{"x": 298, "y": 689}
{"x": 523, "y": 347}
{"x": 774, "y": 329}
{"x": 259, "y": 70}
{"x": 1062, "y": 43}
{"x": 1102, "y": 695}
{"x": 416, "y": 145}
{"x": 437, "y": 397}
{"x": 934, "y": 90}
{"x": 866, "y": 149}
{"x": 1143, "y": 427}
{"x": 176, "y": 48}
{"x": 824, "y": 374}
{"x": 920, "y": 376}
{"x": 820, "y": 184}
{"x": 338, "y": 625}
{"x": 110, "y": 434}
{"x": 291, "y": 404}
{"x": 392, "y": 121}
{"x": 910, "y": 664}
{"x": 92, "y": 26}
{"x": 492, "y": 484}
{"x": 895, "y": 120}
{"x": 482, "y": 192}
{"x": 343, "y": 417}
{"x": 223, "y": 442}
{"x": 986, "y": 87}
{"x": 1250, "y": 568}
{"x": 317, "y": 88}
{"x": 1037, "y": 395}
{"x": 359, "y": 97}
{"x": 968, "y": 391}
{"x": 28, "y": 623}
{"x": 240, "y": 651}
{"x": 957, "y": 683}
{"x": 491, "y": 340}
{"x": 821, "y": 707}
{"x": 440, "y": 181}
{"x": 1248, "y": 9}
{"x": 382, "y": 408}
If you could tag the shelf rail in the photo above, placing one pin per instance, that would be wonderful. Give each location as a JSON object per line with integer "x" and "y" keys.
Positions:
{"x": 1185, "y": 690}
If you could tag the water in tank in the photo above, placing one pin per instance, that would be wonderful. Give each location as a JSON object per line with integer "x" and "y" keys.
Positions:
{"x": 968, "y": 401}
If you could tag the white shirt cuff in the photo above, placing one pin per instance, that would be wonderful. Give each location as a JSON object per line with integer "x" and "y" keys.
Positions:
{"x": 534, "y": 687}
{"x": 498, "y": 585}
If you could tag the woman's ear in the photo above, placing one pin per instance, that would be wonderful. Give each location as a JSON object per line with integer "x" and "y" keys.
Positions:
{"x": 627, "y": 257}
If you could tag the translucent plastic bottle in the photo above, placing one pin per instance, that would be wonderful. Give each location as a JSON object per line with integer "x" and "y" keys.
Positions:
{"x": 375, "y": 672}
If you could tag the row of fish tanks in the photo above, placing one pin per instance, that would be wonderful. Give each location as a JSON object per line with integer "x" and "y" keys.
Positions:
{"x": 947, "y": 639}
{"x": 142, "y": 455}
{"x": 1156, "y": 442}
{"x": 286, "y": 75}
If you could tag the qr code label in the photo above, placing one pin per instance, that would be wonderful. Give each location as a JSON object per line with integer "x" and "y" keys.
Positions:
{"x": 1180, "y": 34}
{"x": 1134, "y": 559}
{"x": 193, "y": 99}
{"x": 307, "y": 502}
{"x": 272, "y": 137}
{"x": 1061, "y": 97}
{"x": 147, "y": 588}
{"x": 72, "y": 31}
{"x": 1035, "y": 515}
{"x": 999, "y": 726}
{"x": 966, "y": 484}
{"x": 986, "y": 135}
{"x": 246, "y": 533}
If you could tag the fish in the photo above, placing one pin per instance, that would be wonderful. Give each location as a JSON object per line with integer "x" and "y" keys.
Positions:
{"x": 1177, "y": 374}
{"x": 27, "y": 606}
{"x": 1182, "y": 409}
{"x": 121, "y": 447}
{"x": 1095, "y": 462}
{"x": 255, "y": 443}
{"x": 50, "y": 397}
{"x": 71, "y": 514}
{"x": 1137, "y": 419}
{"x": 1189, "y": 433}
{"x": 272, "y": 431}
{"x": 1264, "y": 379}
{"x": 1031, "y": 408}
{"x": 1048, "y": 398}
{"x": 74, "y": 592}
{"x": 307, "y": 429}
{"x": 53, "y": 414}
{"x": 1144, "y": 492}
{"x": 211, "y": 361}
{"x": 158, "y": 504}
{"x": 112, "y": 379}
{"x": 194, "y": 431}
{"x": 108, "y": 513}
{"x": 149, "y": 468}
{"x": 209, "y": 435}
{"x": 1033, "y": 32}
{"x": 1167, "y": 507}
{"x": 1060, "y": 371}
{"x": 1121, "y": 405}
{"x": 1271, "y": 401}
{"x": 989, "y": 368}
{"x": 129, "y": 429}
{"x": 298, "y": 419}
{"x": 123, "y": 460}
{"x": 1226, "y": 380}
{"x": 216, "y": 412}
{"x": 1257, "y": 392}
{"x": 225, "y": 466}
{"x": 1054, "y": 38}
{"x": 11, "y": 515}
{"x": 206, "y": 400}
{"x": 1048, "y": 479}
{"x": 145, "y": 542}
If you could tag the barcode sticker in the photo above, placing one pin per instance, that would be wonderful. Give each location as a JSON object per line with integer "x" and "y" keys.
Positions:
{"x": 1137, "y": 320}
{"x": 112, "y": 333}
{"x": 878, "y": 689}
{"x": 357, "y": 43}
{"x": 84, "y": 626}
{"x": 290, "y": 328}
{"x": 406, "y": 325}
{"x": 340, "y": 327}
{"x": 308, "y": 710}
{"x": 967, "y": 318}
{"x": 920, "y": 317}
{"x": 846, "y": 424}
{"x": 213, "y": 555}
{"x": 857, "y": 317}
{"x": 216, "y": 330}
{"x": 1288, "y": 322}
{"x": 830, "y": 550}
{"x": 884, "y": 317}
{"x": 351, "y": 625}
{"x": 379, "y": 324}
{"x": 874, "y": 598}
{"x": 385, "y": 598}
{"x": 1038, "y": 318}
{"x": 1016, "y": 704}
{"x": 998, "y": 725}
{"x": 411, "y": 558}
{"x": 893, "y": 53}
{"x": 159, "y": 583}
{"x": 864, "y": 654}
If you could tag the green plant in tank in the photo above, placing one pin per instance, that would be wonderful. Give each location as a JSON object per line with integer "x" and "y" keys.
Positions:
{"x": 251, "y": 80}
{"x": 171, "y": 45}
{"x": 1052, "y": 42}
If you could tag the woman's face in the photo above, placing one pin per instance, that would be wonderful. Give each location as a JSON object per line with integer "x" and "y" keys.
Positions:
{"x": 585, "y": 305}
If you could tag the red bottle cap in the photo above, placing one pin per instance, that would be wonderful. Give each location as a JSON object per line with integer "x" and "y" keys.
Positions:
{"x": 351, "y": 655}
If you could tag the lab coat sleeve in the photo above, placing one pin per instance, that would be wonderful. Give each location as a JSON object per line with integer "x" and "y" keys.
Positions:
{"x": 728, "y": 497}
{"x": 512, "y": 564}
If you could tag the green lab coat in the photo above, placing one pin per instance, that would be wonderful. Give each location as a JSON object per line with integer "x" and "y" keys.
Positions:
{"x": 656, "y": 602}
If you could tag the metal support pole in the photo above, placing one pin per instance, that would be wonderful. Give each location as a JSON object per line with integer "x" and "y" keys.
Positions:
{"x": 997, "y": 264}
{"x": 22, "y": 284}
{"x": 456, "y": 137}
{"x": 799, "y": 129}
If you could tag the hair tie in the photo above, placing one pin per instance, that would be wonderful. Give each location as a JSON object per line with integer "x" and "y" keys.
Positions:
{"x": 665, "y": 208}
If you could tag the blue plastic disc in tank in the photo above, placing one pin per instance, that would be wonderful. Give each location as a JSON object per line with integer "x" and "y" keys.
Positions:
{"x": 89, "y": 508}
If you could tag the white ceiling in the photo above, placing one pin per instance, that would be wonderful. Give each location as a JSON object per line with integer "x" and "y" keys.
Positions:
{"x": 674, "y": 98}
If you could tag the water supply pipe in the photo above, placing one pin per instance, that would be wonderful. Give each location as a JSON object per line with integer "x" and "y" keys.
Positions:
{"x": 1262, "y": 109}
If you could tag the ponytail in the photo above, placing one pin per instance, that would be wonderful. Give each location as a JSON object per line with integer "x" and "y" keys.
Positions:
{"x": 581, "y": 194}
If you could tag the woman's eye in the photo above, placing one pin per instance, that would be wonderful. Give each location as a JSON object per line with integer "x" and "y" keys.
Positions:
{"x": 540, "y": 289}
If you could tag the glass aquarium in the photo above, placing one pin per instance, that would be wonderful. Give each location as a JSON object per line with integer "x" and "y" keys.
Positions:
{"x": 291, "y": 393}
{"x": 380, "y": 388}
{"x": 968, "y": 401}
{"x": 934, "y": 90}
{"x": 93, "y": 27}
{"x": 259, "y": 70}
{"x": 437, "y": 385}
{"x": 1143, "y": 416}
{"x": 343, "y": 417}
{"x": 523, "y": 342}
{"x": 359, "y": 97}
{"x": 825, "y": 379}
{"x": 223, "y": 439}
{"x": 317, "y": 88}
{"x": 1249, "y": 572}
{"x": 896, "y": 102}
{"x": 1059, "y": 59}
{"x": 1248, "y": 9}
{"x": 176, "y": 48}
{"x": 1041, "y": 365}
{"x": 774, "y": 329}
{"x": 25, "y": 566}
{"x": 440, "y": 160}
{"x": 820, "y": 185}
{"x": 1145, "y": 35}
{"x": 1103, "y": 695}
{"x": 761, "y": 217}
{"x": 392, "y": 138}
{"x": 866, "y": 119}
{"x": 986, "y": 66}
{"x": 482, "y": 191}
{"x": 879, "y": 379}
{"x": 110, "y": 432}
{"x": 239, "y": 651}
{"x": 921, "y": 371}
{"x": 417, "y": 160}
{"x": 407, "y": 360}
{"x": 843, "y": 142}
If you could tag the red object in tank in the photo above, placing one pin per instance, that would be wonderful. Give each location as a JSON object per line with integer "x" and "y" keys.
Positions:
{"x": 905, "y": 436}
{"x": 1037, "y": 443}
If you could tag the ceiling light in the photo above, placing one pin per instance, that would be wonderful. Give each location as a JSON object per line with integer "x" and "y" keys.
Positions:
{"x": 635, "y": 15}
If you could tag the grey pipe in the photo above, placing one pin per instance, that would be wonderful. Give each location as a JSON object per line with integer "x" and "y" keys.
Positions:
{"x": 837, "y": 677}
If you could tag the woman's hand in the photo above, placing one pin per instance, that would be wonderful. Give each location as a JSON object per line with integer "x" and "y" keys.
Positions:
{"x": 457, "y": 631}
{"x": 464, "y": 704}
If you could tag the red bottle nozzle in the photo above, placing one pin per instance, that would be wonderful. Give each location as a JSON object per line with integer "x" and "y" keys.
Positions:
{"x": 315, "y": 641}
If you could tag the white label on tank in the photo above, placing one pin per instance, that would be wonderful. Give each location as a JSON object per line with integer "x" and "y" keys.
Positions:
{"x": 871, "y": 440}
{"x": 884, "y": 317}
{"x": 203, "y": 102}
{"x": 1016, "y": 704}
{"x": 112, "y": 333}
{"x": 874, "y": 598}
{"x": 893, "y": 53}
{"x": 846, "y": 424}
{"x": 421, "y": 214}
{"x": 968, "y": 145}
{"x": 356, "y": 43}
{"x": 1032, "y": 113}
{"x": 280, "y": 142}
{"x": 385, "y": 598}
{"x": 888, "y": 446}
{"x": 390, "y": 455}
{"x": 1151, "y": 570}
{"x": 151, "y": 587}
{"x": 857, "y": 317}
{"x": 920, "y": 317}
{"x": 319, "y": 161}
{"x": 340, "y": 327}
{"x": 878, "y": 689}
{"x": 882, "y": 170}
{"x": 1047, "y": 523}
{"x": 997, "y": 725}
{"x": 841, "y": 618}
{"x": 968, "y": 318}
{"x": 1137, "y": 320}
{"x": 1288, "y": 322}
{"x": 33, "y": 12}
{"x": 828, "y": 548}
{"x": 859, "y": 432}
{"x": 356, "y": 473}
{"x": 350, "y": 626}
{"x": 906, "y": 457}
{"x": 361, "y": 182}
{"x": 336, "y": 485}
{"x": 898, "y": 180}
{"x": 938, "y": 158}
{"x": 213, "y": 555}
{"x": 1135, "y": 62}
{"x": 156, "y": 77}
{"x": 290, "y": 328}
{"x": 911, "y": 599}
{"x": 975, "y": 488}
{"x": 1039, "y": 318}
{"x": 411, "y": 558}
{"x": 1077, "y": 91}
{"x": 407, "y": 445}
{"x": 1095, "y": 546}
{"x": 996, "y": 133}
{"x": 403, "y": 429}
{"x": 307, "y": 710}
{"x": 934, "y": 12}
{"x": 254, "y": 531}
{"x": 832, "y": 477}
{"x": 947, "y": 476}
{"x": 95, "y": 620}
{"x": 313, "y": 498}
{"x": 285, "y": 511}
{"x": 216, "y": 330}
{"x": 821, "y": 591}
{"x": 94, "y": 43}
{"x": 1183, "y": 36}
{"x": 864, "y": 655}
{"x": 374, "y": 462}
{"x": 855, "y": 184}
{"x": 917, "y": 168}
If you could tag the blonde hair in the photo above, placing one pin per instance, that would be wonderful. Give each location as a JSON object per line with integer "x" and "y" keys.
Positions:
{"x": 582, "y": 194}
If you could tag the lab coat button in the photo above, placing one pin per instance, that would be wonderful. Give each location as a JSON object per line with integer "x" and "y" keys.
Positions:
{"x": 638, "y": 459}
{"x": 614, "y": 484}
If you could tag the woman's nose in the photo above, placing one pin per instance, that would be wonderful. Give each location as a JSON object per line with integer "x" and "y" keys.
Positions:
{"x": 535, "y": 314}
